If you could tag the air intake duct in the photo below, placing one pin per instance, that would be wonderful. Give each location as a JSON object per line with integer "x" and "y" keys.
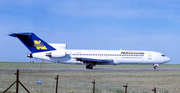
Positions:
{"x": 30, "y": 55}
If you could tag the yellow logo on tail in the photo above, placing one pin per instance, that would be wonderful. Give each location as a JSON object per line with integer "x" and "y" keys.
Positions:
{"x": 39, "y": 45}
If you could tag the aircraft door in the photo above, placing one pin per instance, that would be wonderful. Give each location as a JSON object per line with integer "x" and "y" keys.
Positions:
{"x": 149, "y": 56}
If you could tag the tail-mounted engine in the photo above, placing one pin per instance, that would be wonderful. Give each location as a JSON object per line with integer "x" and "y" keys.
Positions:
{"x": 30, "y": 55}
{"x": 56, "y": 54}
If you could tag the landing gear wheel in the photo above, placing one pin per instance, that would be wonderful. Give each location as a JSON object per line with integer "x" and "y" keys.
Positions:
{"x": 89, "y": 66}
{"x": 155, "y": 67}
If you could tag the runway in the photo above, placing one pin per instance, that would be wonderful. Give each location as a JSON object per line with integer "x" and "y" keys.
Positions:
{"x": 95, "y": 69}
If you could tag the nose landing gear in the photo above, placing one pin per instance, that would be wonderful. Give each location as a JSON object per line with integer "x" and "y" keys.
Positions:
{"x": 156, "y": 66}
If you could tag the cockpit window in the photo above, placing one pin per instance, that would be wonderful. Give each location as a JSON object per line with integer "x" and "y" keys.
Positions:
{"x": 163, "y": 55}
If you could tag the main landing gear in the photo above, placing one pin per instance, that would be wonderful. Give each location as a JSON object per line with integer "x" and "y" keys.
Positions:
{"x": 89, "y": 66}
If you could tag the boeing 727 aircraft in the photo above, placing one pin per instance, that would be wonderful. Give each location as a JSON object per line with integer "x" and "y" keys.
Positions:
{"x": 58, "y": 53}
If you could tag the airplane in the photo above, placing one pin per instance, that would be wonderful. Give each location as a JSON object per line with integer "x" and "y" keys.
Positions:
{"x": 59, "y": 53}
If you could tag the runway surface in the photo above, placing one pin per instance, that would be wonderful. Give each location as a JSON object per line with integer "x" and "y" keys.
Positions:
{"x": 97, "y": 69}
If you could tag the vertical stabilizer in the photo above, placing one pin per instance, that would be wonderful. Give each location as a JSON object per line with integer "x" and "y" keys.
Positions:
{"x": 32, "y": 42}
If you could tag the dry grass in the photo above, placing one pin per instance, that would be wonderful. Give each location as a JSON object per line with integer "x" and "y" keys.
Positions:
{"x": 79, "y": 81}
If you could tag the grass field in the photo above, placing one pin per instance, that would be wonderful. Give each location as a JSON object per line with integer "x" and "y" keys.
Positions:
{"x": 76, "y": 79}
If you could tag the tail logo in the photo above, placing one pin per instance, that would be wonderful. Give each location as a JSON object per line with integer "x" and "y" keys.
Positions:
{"x": 39, "y": 45}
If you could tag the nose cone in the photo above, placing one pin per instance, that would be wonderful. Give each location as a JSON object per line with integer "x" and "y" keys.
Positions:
{"x": 167, "y": 59}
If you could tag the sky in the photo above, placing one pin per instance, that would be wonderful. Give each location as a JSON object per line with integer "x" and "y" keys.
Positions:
{"x": 151, "y": 25}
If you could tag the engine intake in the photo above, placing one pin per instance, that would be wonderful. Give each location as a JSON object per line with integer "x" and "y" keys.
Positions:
{"x": 30, "y": 55}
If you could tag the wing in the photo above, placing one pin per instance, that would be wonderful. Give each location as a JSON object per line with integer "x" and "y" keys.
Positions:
{"x": 94, "y": 60}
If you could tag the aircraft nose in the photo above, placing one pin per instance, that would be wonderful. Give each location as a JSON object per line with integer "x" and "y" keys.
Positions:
{"x": 167, "y": 59}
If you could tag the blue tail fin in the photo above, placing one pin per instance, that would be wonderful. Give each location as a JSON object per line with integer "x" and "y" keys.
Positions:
{"x": 32, "y": 42}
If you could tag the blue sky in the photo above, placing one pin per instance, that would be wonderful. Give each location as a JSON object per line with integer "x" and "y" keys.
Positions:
{"x": 92, "y": 24}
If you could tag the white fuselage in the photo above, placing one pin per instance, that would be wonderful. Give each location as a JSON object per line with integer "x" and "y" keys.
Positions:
{"x": 117, "y": 56}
